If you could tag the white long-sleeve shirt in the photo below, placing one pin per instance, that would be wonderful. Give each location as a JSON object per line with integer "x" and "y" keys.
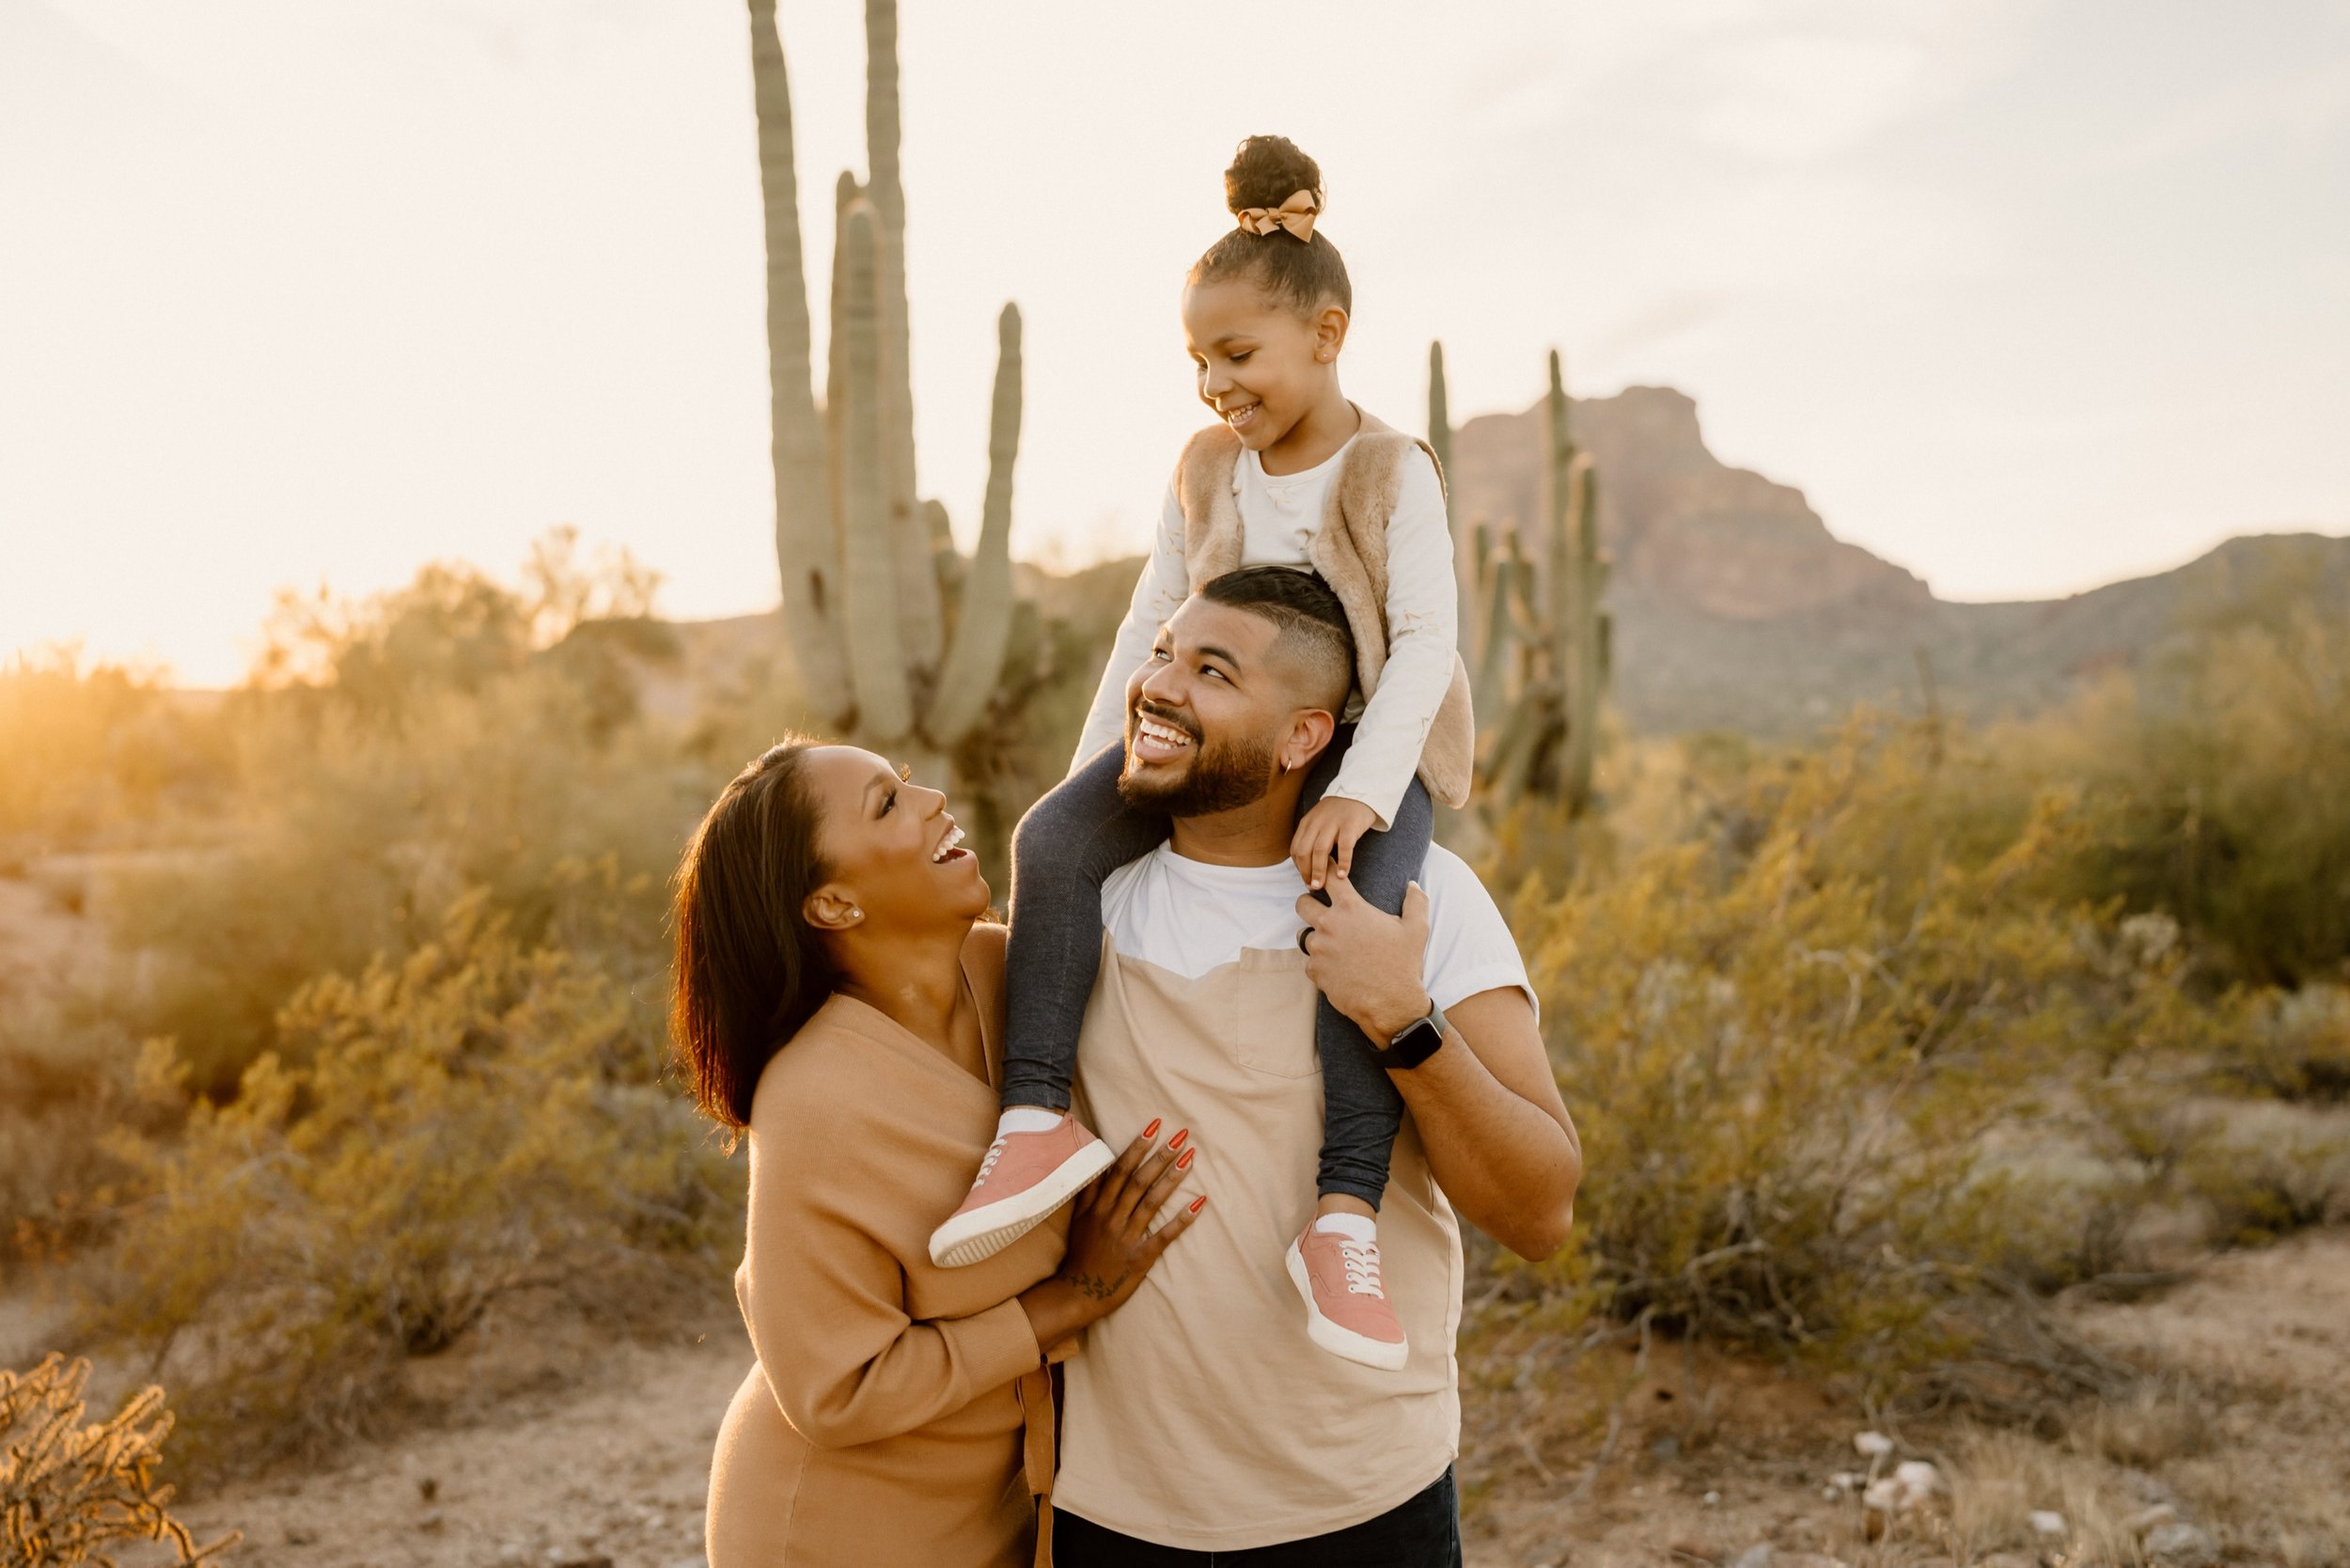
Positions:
{"x": 1279, "y": 515}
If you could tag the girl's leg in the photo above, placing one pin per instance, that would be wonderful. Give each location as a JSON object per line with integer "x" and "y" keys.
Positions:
{"x": 1078, "y": 834}
{"x": 1361, "y": 1109}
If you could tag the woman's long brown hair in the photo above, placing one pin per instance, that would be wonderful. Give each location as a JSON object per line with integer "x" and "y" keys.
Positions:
{"x": 748, "y": 970}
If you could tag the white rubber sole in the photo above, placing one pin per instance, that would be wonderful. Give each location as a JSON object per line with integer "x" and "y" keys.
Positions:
{"x": 983, "y": 1232}
{"x": 1343, "y": 1342}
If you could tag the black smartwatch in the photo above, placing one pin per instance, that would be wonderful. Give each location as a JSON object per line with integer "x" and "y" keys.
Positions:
{"x": 1416, "y": 1043}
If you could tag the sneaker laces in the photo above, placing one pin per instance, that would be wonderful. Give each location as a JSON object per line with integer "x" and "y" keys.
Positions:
{"x": 994, "y": 1152}
{"x": 1362, "y": 1267}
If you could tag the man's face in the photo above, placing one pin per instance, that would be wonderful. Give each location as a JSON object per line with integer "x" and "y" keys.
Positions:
{"x": 1206, "y": 715}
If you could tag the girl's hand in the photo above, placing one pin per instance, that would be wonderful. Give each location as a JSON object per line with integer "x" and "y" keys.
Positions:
{"x": 1111, "y": 1242}
{"x": 1329, "y": 829}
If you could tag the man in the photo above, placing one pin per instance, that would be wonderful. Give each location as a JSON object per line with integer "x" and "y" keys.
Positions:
{"x": 1201, "y": 1426}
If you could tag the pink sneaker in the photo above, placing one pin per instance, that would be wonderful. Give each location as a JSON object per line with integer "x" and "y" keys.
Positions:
{"x": 1347, "y": 1311}
{"x": 1025, "y": 1177}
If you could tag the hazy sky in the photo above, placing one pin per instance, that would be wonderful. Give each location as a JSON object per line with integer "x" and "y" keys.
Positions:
{"x": 2026, "y": 294}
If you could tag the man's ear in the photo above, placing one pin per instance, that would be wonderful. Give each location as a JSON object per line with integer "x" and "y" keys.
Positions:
{"x": 1329, "y": 333}
{"x": 1307, "y": 736}
{"x": 831, "y": 907}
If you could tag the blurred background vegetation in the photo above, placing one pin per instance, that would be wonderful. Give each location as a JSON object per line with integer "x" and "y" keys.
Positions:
{"x": 1877, "y": 1041}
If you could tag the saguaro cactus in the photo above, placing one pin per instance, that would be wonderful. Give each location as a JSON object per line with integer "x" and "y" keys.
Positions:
{"x": 870, "y": 574}
{"x": 1544, "y": 656}
{"x": 1466, "y": 551}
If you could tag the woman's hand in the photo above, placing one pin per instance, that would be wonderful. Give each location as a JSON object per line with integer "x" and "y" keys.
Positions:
{"x": 1111, "y": 1242}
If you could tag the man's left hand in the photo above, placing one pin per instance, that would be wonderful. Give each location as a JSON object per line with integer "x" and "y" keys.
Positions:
{"x": 1368, "y": 962}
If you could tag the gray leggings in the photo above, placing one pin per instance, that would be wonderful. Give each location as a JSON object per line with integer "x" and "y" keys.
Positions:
{"x": 1081, "y": 832}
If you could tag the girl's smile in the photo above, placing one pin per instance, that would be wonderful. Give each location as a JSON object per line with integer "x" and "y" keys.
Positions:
{"x": 1269, "y": 371}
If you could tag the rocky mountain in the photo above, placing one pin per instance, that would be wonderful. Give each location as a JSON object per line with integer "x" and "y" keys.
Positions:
{"x": 1736, "y": 609}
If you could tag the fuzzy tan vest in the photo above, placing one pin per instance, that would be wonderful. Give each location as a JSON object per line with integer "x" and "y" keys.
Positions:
{"x": 1350, "y": 550}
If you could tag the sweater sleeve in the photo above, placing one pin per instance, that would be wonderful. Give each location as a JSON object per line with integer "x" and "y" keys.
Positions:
{"x": 1423, "y": 630}
{"x": 1165, "y": 584}
{"x": 824, "y": 1303}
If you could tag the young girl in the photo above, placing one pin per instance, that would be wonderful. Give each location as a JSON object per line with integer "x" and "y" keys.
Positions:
{"x": 1309, "y": 475}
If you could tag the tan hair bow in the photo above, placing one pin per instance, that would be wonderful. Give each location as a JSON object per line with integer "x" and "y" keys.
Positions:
{"x": 1296, "y": 214}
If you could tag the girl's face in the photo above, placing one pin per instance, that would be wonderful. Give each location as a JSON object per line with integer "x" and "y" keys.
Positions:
{"x": 892, "y": 850}
{"x": 1262, "y": 365}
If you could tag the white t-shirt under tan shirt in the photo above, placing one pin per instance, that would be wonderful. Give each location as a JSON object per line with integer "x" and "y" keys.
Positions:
{"x": 1279, "y": 515}
{"x": 1199, "y": 1415}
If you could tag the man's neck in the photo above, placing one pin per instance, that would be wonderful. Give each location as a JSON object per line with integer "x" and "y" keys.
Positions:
{"x": 1257, "y": 834}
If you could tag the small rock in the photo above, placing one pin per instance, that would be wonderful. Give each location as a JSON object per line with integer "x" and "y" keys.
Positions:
{"x": 1883, "y": 1496}
{"x": 1713, "y": 1499}
{"x": 2047, "y": 1523}
{"x": 431, "y": 1520}
{"x": 1756, "y": 1556}
{"x": 2180, "y": 1544}
{"x": 1916, "y": 1481}
{"x": 428, "y": 1488}
{"x": 1872, "y": 1445}
{"x": 2153, "y": 1519}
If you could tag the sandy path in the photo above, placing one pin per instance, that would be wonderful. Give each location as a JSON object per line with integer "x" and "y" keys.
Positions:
{"x": 612, "y": 1467}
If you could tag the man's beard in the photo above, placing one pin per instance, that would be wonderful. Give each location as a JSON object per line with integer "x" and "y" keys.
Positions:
{"x": 1222, "y": 778}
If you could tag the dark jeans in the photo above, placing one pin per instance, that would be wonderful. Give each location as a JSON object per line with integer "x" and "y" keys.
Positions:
{"x": 1080, "y": 833}
{"x": 1424, "y": 1532}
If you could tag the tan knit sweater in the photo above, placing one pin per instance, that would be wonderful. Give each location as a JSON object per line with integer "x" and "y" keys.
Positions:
{"x": 884, "y": 1423}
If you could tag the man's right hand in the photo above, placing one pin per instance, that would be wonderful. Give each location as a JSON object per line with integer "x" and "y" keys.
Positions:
{"x": 1111, "y": 1242}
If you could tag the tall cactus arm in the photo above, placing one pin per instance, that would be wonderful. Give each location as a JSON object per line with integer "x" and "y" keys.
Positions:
{"x": 984, "y": 624}
{"x": 876, "y": 656}
{"x": 845, "y": 195}
{"x": 1467, "y": 553}
{"x": 921, "y": 614}
{"x": 805, "y": 552}
{"x": 1558, "y": 566}
{"x": 1581, "y": 630}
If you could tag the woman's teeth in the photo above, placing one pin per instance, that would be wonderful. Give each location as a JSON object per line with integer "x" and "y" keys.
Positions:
{"x": 948, "y": 845}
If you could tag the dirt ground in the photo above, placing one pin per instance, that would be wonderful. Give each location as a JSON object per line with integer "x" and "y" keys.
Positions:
{"x": 562, "y": 1449}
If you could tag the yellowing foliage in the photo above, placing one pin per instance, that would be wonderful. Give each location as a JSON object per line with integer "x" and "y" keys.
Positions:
{"x": 462, "y": 1125}
{"x": 70, "y": 1490}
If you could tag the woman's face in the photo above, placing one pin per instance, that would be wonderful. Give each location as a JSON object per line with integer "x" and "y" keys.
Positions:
{"x": 892, "y": 852}
{"x": 1260, "y": 365}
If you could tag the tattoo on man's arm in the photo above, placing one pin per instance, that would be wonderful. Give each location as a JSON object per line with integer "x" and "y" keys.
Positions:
{"x": 1095, "y": 1288}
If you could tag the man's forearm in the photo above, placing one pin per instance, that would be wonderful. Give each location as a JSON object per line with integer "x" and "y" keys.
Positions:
{"x": 1508, "y": 1165}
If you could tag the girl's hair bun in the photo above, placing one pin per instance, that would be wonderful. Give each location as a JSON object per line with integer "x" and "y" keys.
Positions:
{"x": 1266, "y": 171}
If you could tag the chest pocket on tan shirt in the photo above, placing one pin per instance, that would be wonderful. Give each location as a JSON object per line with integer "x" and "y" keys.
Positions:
{"x": 1273, "y": 1030}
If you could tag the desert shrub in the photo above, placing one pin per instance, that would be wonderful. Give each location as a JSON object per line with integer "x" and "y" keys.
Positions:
{"x": 93, "y": 752}
{"x": 393, "y": 753}
{"x": 2295, "y": 1046}
{"x": 69, "y": 1491}
{"x": 1847, "y": 1085}
{"x": 2206, "y": 781}
{"x": 66, "y": 1078}
{"x": 454, "y": 1127}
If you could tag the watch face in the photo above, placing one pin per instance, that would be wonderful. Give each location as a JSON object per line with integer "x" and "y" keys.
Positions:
{"x": 1417, "y": 1044}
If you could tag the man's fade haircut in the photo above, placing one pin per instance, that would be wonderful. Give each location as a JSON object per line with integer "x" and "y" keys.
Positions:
{"x": 1309, "y": 620}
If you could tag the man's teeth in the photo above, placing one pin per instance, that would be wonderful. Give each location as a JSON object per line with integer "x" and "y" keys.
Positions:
{"x": 1165, "y": 734}
{"x": 949, "y": 845}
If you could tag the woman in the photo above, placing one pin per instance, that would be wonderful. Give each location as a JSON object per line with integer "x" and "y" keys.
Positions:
{"x": 838, "y": 999}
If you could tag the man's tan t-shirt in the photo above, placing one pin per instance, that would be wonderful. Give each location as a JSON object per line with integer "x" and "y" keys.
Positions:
{"x": 1199, "y": 1415}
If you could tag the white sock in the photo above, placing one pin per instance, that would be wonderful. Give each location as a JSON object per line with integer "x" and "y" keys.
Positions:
{"x": 1027, "y": 1119}
{"x": 1361, "y": 1228}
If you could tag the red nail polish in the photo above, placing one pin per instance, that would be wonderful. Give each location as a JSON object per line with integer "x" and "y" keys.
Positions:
{"x": 1184, "y": 1164}
{"x": 1152, "y": 1130}
{"x": 1197, "y": 1201}
{"x": 1177, "y": 1141}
